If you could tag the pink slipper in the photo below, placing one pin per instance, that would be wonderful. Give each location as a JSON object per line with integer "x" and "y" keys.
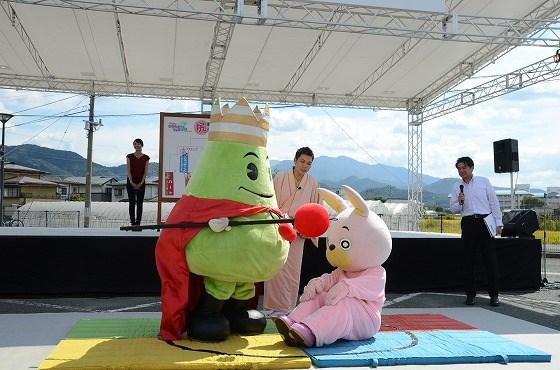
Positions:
{"x": 283, "y": 324}
{"x": 302, "y": 334}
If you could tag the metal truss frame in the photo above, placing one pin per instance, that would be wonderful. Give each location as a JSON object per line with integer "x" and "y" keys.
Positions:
{"x": 532, "y": 74}
{"x": 311, "y": 54}
{"x": 406, "y": 47}
{"x": 190, "y": 92}
{"x": 414, "y": 25}
{"x": 16, "y": 23}
{"x": 415, "y": 202}
{"x": 123, "y": 53}
{"x": 542, "y": 70}
{"x": 487, "y": 54}
{"x": 223, "y": 32}
{"x": 308, "y": 14}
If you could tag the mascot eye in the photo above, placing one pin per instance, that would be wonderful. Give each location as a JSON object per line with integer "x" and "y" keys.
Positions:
{"x": 252, "y": 171}
{"x": 345, "y": 244}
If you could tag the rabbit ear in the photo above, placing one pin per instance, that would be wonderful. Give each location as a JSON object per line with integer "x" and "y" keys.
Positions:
{"x": 356, "y": 200}
{"x": 333, "y": 200}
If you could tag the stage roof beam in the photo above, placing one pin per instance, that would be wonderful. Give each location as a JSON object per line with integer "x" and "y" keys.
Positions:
{"x": 488, "y": 54}
{"x": 223, "y": 32}
{"x": 122, "y": 51}
{"x": 311, "y": 54}
{"x": 18, "y": 26}
{"x": 358, "y": 19}
{"x": 542, "y": 70}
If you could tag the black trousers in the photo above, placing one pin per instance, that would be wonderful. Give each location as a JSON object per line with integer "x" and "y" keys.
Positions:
{"x": 477, "y": 243}
{"x": 135, "y": 200}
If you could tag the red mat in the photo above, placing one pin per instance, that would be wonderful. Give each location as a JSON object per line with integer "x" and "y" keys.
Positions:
{"x": 421, "y": 322}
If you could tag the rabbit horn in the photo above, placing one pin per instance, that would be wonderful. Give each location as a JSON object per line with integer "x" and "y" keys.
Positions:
{"x": 333, "y": 200}
{"x": 356, "y": 200}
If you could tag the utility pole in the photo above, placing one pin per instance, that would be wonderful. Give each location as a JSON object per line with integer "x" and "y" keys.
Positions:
{"x": 90, "y": 127}
{"x": 4, "y": 117}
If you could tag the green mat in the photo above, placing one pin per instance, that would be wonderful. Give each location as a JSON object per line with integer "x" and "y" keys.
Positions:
{"x": 126, "y": 328}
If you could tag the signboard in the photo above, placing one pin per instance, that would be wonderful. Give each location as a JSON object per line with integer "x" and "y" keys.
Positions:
{"x": 182, "y": 138}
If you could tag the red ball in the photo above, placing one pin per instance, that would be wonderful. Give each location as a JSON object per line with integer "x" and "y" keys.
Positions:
{"x": 287, "y": 232}
{"x": 311, "y": 220}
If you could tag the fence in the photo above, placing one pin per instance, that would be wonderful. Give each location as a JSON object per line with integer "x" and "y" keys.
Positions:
{"x": 47, "y": 218}
{"x": 438, "y": 224}
{"x": 452, "y": 224}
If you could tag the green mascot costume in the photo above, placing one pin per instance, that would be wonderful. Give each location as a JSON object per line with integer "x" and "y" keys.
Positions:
{"x": 208, "y": 274}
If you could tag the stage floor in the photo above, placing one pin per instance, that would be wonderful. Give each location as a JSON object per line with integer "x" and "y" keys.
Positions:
{"x": 30, "y": 329}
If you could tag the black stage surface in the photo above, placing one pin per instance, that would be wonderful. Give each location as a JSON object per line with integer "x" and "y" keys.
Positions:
{"x": 84, "y": 265}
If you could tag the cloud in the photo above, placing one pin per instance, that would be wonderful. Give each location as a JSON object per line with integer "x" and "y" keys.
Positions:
{"x": 472, "y": 132}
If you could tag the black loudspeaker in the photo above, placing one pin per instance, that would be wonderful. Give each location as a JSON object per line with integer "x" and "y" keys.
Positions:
{"x": 520, "y": 222}
{"x": 506, "y": 156}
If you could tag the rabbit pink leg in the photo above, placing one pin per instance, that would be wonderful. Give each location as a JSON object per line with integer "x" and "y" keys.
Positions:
{"x": 306, "y": 308}
{"x": 350, "y": 319}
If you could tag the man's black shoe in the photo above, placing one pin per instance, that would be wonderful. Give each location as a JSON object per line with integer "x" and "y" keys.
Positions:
{"x": 470, "y": 300}
{"x": 494, "y": 301}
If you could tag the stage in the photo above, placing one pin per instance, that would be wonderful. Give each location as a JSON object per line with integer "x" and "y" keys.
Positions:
{"x": 110, "y": 262}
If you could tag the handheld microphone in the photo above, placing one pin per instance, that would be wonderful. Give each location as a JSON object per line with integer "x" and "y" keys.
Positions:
{"x": 462, "y": 201}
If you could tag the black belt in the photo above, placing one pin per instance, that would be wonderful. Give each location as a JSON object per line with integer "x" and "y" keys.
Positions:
{"x": 476, "y": 215}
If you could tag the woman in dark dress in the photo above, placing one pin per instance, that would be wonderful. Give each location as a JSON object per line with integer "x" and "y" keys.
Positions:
{"x": 137, "y": 169}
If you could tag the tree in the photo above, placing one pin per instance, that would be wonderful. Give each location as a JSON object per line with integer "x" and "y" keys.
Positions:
{"x": 383, "y": 200}
{"x": 531, "y": 202}
{"x": 77, "y": 197}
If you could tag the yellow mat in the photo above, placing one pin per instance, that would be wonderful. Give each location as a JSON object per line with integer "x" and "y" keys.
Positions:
{"x": 120, "y": 350}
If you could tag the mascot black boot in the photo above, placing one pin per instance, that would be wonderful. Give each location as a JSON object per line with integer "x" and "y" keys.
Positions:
{"x": 242, "y": 320}
{"x": 207, "y": 322}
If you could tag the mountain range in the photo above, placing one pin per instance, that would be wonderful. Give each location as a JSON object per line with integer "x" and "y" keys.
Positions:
{"x": 372, "y": 181}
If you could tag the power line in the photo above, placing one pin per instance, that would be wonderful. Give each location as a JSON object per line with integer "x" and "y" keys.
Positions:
{"x": 44, "y": 105}
{"x": 55, "y": 121}
{"x": 46, "y": 118}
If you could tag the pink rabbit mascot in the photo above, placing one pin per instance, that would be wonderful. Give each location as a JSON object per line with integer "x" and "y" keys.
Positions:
{"x": 345, "y": 304}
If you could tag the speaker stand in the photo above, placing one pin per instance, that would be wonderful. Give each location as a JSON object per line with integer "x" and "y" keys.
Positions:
{"x": 512, "y": 189}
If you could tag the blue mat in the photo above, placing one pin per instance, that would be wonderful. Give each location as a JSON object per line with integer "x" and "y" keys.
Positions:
{"x": 423, "y": 348}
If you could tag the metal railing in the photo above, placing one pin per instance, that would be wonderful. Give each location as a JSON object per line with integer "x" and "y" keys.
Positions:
{"x": 48, "y": 218}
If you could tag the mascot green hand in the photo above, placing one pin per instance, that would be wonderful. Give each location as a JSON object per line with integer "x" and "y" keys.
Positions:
{"x": 208, "y": 274}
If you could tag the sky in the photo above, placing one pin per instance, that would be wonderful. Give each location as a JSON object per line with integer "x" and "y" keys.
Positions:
{"x": 529, "y": 115}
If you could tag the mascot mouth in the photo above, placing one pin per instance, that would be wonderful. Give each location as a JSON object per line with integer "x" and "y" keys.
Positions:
{"x": 252, "y": 192}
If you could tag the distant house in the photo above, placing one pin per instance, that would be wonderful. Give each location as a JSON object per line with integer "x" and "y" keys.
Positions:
{"x": 504, "y": 197}
{"x": 65, "y": 189}
{"x": 119, "y": 190}
{"x": 15, "y": 170}
{"x": 101, "y": 187}
{"x": 551, "y": 201}
{"x": 22, "y": 189}
{"x": 23, "y": 184}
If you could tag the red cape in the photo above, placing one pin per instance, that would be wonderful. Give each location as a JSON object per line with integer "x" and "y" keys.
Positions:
{"x": 180, "y": 290}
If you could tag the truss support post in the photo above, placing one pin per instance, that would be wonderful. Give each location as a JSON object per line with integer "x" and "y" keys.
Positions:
{"x": 415, "y": 211}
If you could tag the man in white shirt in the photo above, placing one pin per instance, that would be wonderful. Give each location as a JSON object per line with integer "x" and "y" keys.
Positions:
{"x": 475, "y": 198}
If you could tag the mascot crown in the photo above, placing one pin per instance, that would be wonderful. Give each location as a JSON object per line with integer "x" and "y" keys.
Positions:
{"x": 239, "y": 124}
